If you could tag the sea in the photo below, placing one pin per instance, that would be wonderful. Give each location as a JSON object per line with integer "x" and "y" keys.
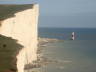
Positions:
{"x": 68, "y": 55}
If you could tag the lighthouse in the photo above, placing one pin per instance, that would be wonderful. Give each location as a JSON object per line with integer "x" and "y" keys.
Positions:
{"x": 73, "y": 36}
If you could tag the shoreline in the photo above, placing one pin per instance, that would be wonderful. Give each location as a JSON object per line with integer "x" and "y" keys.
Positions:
{"x": 42, "y": 42}
{"x": 43, "y": 60}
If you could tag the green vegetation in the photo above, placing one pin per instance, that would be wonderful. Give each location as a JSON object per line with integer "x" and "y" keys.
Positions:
{"x": 7, "y": 11}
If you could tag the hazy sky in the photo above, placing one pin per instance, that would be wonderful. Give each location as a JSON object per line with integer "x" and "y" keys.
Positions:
{"x": 62, "y": 7}
{"x": 73, "y": 13}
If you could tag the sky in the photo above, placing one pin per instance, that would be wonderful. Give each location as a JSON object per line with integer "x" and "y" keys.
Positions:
{"x": 64, "y": 13}
{"x": 63, "y": 7}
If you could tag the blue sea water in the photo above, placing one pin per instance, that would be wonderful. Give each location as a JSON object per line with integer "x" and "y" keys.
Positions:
{"x": 65, "y": 33}
{"x": 75, "y": 56}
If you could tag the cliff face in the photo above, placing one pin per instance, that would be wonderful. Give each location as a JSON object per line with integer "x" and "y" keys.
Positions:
{"x": 21, "y": 24}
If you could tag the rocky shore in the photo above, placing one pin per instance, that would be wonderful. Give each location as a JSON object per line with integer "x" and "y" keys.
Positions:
{"x": 42, "y": 60}
{"x": 42, "y": 42}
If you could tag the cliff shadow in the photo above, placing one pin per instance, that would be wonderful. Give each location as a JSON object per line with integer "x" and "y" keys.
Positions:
{"x": 9, "y": 48}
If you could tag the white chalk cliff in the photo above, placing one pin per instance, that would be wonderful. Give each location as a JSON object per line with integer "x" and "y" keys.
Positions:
{"x": 23, "y": 27}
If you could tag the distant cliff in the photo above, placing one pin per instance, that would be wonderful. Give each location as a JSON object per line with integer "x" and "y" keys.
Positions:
{"x": 20, "y": 23}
